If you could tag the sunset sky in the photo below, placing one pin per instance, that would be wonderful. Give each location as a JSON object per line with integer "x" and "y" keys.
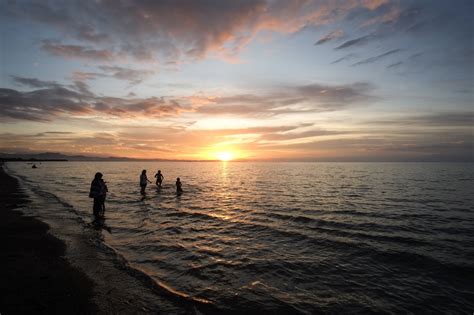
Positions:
{"x": 347, "y": 80}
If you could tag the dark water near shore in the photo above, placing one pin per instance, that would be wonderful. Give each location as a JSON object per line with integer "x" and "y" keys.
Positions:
{"x": 288, "y": 237}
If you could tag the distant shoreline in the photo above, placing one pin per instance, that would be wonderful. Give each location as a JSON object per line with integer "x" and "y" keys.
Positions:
{"x": 2, "y": 160}
{"x": 32, "y": 160}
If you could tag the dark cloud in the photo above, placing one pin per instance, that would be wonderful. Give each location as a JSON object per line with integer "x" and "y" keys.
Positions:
{"x": 43, "y": 104}
{"x": 152, "y": 107}
{"x": 410, "y": 60}
{"x": 355, "y": 42}
{"x": 442, "y": 119}
{"x": 346, "y": 57}
{"x": 331, "y": 36}
{"x": 173, "y": 30}
{"x": 83, "y": 88}
{"x": 416, "y": 27}
{"x": 394, "y": 65}
{"x": 77, "y": 51}
{"x": 34, "y": 83}
{"x": 415, "y": 56}
{"x": 57, "y": 100}
{"x": 376, "y": 58}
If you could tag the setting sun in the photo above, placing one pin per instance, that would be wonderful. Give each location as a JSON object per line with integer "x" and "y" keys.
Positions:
{"x": 224, "y": 156}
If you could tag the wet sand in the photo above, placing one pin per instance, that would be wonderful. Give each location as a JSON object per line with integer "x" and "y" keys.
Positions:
{"x": 36, "y": 278}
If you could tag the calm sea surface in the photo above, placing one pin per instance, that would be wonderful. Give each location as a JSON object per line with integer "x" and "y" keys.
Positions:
{"x": 287, "y": 237}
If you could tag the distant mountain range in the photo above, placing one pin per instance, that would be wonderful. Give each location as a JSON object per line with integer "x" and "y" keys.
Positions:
{"x": 53, "y": 156}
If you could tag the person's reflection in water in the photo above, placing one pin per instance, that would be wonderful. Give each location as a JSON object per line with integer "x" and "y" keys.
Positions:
{"x": 99, "y": 224}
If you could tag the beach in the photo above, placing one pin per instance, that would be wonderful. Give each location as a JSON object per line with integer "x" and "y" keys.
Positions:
{"x": 35, "y": 276}
{"x": 72, "y": 274}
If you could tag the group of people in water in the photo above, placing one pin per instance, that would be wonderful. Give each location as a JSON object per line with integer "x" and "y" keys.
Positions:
{"x": 98, "y": 190}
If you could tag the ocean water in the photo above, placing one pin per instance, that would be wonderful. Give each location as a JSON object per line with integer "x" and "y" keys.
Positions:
{"x": 287, "y": 238}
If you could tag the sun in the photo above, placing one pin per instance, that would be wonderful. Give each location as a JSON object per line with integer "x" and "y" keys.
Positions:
{"x": 224, "y": 156}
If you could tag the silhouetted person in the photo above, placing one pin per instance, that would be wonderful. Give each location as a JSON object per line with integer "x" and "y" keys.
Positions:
{"x": 179, "y": 190}
{"x": 98, "y": 191}
{"x": 143, "y": 182}
{"x": 159, "y": 178}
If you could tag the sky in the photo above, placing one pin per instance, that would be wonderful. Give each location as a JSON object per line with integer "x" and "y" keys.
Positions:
{"x": 284, "y": 80}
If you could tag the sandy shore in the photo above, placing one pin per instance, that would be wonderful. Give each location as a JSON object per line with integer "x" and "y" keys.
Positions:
{"x": 35, "y": 276}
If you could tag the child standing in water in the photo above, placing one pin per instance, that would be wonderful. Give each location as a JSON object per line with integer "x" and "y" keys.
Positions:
{"x": 159, "y": 178}
{"x": 179, "y": 190}
{"x": 143, "y": 182}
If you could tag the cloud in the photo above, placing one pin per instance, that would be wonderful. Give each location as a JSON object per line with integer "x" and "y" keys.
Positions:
{"x": 175, "y": 139}
{"x": 440, "y": 119}
{"x": 152, "y": 107}
{"x": 88, "y": 34}
{"x": 34, "y": 83}
{"x": 435, "y": 137}
{"x": 134, "y": 76}
{"x": 263, "y": 131}
{"x": 346, "y": 57}
{"x": 376, "y": 58}
{"x": 391, "y": 16}
{"x": 409, "y": 61}
{"x": 355, "y": 42}
{"x": 331, "y": 36}
{"x": 77, "y": 51}
{"x": 350, "y": 93}
{"x": 85, "y": 76}
{"x": 53, "y": 100}
{"x": 46, "y": 133}
{"x": 415, "y": 56}
{"x": 170, "y": 31}
{"x": 42, "y": 104}
{"x": 301, "y": 135}
{"x": 56, "y": 100}
{"x": 290, "y": 99}
{"x": 374, "y": 147}
{"x": 394, "y": 65}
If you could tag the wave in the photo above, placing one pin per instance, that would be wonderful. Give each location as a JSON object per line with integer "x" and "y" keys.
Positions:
{"x": 287, "y": 249}
{"x": 160, "y": 287}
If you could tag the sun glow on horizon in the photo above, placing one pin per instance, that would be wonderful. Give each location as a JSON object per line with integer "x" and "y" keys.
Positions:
{"x": 224, "y": 156}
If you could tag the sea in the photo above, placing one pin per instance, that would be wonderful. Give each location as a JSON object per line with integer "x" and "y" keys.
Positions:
{"x": 285, "y": 238}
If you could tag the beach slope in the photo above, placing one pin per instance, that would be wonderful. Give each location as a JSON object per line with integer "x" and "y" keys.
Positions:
{"x": 35, "y": 276}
